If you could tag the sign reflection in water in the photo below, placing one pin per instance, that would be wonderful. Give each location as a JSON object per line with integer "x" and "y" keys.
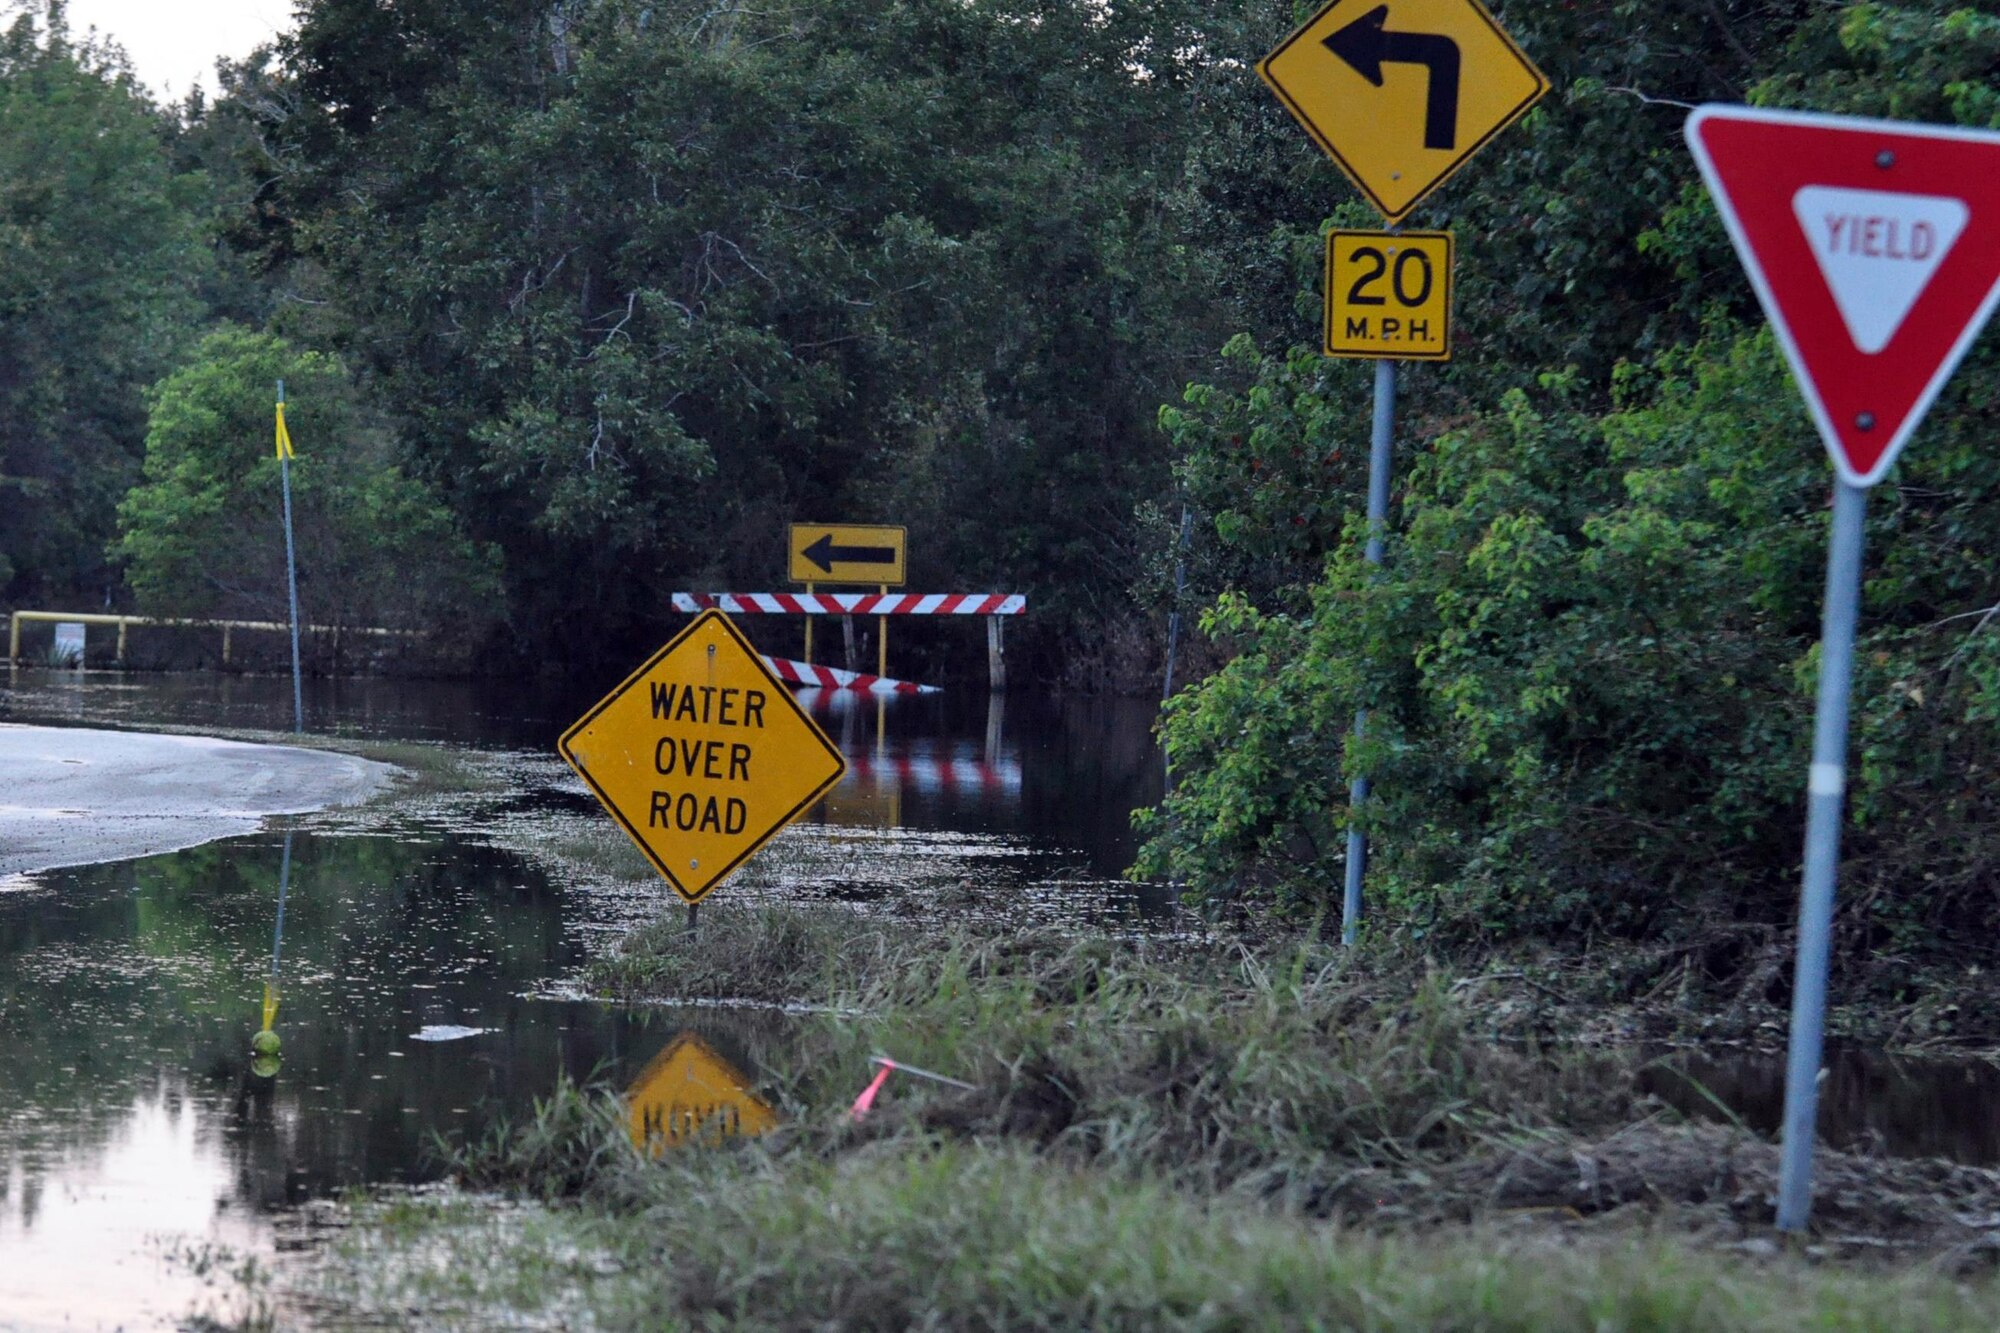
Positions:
{"x": 690, "y": 1092}
{"x": 880, "y": 769}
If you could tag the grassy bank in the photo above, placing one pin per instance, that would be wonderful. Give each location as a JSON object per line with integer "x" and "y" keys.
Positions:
{"x": 1373, "y": 1089}
{"x": 979, "y": 1236}
{"x": 1615, "y": 992}
{"x": 1189, "y": 1134}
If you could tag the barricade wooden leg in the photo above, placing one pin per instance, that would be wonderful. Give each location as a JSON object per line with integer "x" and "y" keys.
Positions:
{"x": 996, "y": 656}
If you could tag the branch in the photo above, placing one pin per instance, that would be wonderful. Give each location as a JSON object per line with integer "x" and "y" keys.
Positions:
{"x": 1985, "y": 619}
{"x": 1649, "y": 101}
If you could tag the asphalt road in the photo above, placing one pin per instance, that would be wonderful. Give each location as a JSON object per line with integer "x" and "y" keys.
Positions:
{"x": 74, "y": 797}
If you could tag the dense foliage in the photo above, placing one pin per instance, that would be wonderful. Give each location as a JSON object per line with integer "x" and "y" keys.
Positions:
{"x": 1590, "y": 658}
{"x": 645, "y": 282}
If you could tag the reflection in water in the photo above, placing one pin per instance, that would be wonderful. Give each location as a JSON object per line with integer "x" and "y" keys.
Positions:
{"x": 1869, "y": 1101}
{"x": 1064, "y": 776}
{"x": 134, "y": 1111}
{"x": 265, "y": 1045}
{"x": 688, "y": 1091}
{"x": 473, "y": 713}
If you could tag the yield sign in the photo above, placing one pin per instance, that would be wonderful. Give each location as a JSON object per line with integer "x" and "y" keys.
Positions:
{"x": 1875, "y": 248}
{"x": 1401, "y": 92}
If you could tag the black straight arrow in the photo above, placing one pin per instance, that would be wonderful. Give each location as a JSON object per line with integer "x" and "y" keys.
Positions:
{"x": 1366, "y": 46}
{"x": 824, "y": 553}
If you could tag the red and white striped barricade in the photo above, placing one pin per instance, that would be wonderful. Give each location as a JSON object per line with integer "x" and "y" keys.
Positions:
{"x": 855, "y": 603}
{"x": 808, "y": 676}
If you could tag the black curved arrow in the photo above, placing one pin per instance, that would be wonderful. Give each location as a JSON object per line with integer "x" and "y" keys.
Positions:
{"x": 824, "y": 553}
{"x": 1366, "y": 46}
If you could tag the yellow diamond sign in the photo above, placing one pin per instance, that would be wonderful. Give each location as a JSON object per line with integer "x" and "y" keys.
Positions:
{"x": 688, "y": 1091}
{"x": 702, "y": 755}
{"x": 1401, "y": 92}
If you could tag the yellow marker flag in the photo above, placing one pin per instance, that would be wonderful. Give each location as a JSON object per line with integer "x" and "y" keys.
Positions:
{"x": 284, "y": 436}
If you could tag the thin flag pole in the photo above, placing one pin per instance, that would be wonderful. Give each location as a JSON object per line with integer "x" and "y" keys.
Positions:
{"x": 291, "y": 561}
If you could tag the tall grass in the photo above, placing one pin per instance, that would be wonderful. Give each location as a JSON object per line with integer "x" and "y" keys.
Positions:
{"x": 1219, "y": 1070}
{"x": 776, "y": 954}
{"x": 970, "y": 1236}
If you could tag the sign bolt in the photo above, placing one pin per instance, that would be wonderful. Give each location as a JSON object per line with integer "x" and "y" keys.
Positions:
{"x": 1885, "y": 159}
{"x": 1866, "y": 421}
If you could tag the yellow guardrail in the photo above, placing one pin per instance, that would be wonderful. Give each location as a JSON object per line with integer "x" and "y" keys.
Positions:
{"x": 17, "y": 618}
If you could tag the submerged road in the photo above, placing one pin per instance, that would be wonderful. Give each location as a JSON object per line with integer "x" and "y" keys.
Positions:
{"x": 73, "y": 797}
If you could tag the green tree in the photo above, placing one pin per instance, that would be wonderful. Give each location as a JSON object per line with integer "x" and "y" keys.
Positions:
{"x": 203, "y": 534}
{"x": 643, "y": 282}
{"x": 100, "y": 254}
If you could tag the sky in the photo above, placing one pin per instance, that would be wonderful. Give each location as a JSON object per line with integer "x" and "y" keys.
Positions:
{"x": 173, "y": 44}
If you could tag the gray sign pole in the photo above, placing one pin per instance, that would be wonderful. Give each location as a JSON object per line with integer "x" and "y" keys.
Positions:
{"x": 1826, "y": 789}
{"x": 1180, "y": 592}
{"x": 1378, "y": 523}
{"x": 291, "y": 577}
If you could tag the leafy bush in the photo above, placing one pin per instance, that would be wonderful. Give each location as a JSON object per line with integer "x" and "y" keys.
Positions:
{"x": 1589, "y": 668}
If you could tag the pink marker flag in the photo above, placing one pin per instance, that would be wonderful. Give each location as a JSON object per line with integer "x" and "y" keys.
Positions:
{"x": 867, "y": 1097}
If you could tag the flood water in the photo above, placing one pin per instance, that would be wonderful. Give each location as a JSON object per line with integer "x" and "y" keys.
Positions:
{"x": 422, "y": 982}
{"x": 137, "y": 1126}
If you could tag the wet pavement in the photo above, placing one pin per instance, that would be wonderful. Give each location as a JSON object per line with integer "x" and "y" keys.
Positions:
{"x": 76, "y": 795}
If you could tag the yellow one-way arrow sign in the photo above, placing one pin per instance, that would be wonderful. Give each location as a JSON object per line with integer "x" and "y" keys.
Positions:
{"x": 847, "y": 553}
{"x": 1401, "y": 93}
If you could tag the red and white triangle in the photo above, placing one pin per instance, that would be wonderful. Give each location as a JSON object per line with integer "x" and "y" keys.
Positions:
{"x": 1875, "y": 249}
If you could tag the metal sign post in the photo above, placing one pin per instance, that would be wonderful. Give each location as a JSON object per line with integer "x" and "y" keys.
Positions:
{"x": 291, "y": 560}
{"x": 1398, "y": 139}
{"x": 1826, "y": 787}
{"x": 1379, "y": 463}
{"x": 1365, "y": 273}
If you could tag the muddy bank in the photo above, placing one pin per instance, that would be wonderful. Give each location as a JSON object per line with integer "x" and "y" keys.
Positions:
{"x": 75, "y": 797}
